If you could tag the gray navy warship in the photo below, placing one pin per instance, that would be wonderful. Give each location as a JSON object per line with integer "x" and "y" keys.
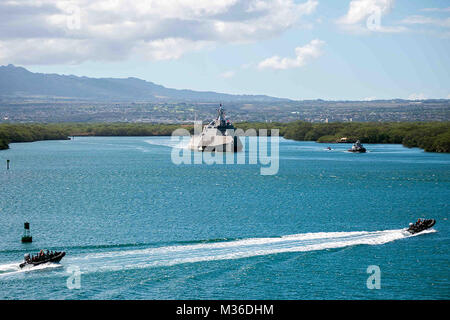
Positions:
{"x": 217, "y": 136}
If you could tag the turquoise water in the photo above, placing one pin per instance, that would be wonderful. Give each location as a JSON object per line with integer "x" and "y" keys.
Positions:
{"x": 139, "y": 227}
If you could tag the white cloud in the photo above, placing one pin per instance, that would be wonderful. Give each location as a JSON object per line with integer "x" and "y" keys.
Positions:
{"x": 228, "y": 74}
{"x": 448, "y": 97}
{"x": 168, "y": 48}
{"x": 430, "y": 25}
{"x": 360, "y": 10}
{"x": 365, "y": 16}
{"x": 418, "y": 19}
{"x": 436, "y": 9}
{"x": 303, "y": 54}
{"x": 248, "y": 65}
{"x": 73, "y": 31}
{"x": 417, "y": 96}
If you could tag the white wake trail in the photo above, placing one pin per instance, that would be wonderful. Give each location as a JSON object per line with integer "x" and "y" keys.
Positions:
{"x": 194, "y": 253}
{"x": 11, "y": 269}
{"x": 168, "y": 142}
{"x": 245, "y": 248}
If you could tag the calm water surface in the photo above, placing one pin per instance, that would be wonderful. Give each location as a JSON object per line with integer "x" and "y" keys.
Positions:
{"x": 140, "y": 227}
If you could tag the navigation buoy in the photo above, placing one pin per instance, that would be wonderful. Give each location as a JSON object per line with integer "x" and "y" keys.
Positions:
{"x": 26, "y": 233}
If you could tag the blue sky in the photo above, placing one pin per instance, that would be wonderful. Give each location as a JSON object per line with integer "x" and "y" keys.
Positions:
{"x": 306, "y": 49}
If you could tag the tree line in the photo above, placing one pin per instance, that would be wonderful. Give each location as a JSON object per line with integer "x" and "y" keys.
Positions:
{"x": 430, "y": 136}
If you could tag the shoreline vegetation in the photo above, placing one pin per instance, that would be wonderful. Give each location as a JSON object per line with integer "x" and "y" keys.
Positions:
{"x": 430, "y": 136}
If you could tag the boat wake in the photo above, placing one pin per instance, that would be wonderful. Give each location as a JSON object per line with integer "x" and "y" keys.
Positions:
{"x": 236, "y": 249}
{"x": 13, "y": 268}
{"x": 123, "y": 259}
{"x": 182, "y": 143}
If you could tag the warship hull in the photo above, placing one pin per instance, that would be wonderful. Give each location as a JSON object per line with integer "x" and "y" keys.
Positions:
{"x": 217, "y": 136}
{"x": 215, "y": 143}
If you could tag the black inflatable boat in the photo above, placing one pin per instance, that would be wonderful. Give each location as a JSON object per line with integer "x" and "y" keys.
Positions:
{"x": 421, "y": 225}
{"x": 42, "y": 258}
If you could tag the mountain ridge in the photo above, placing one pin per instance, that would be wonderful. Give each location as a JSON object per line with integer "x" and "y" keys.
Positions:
{"x": 16, "y": 81}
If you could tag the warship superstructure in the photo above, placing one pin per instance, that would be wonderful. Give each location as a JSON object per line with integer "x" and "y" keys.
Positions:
{"x": 217, "y": 136}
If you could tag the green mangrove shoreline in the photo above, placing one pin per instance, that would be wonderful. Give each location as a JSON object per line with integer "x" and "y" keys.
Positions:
{"x": 430, "y": 136}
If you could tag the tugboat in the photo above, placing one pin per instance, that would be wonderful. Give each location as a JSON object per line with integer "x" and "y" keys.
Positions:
{"x": 42, "y": 257}
{"x": 420, "y": 225}
{"x": 357, "y": 148}
{"x": 217, "y": 136}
